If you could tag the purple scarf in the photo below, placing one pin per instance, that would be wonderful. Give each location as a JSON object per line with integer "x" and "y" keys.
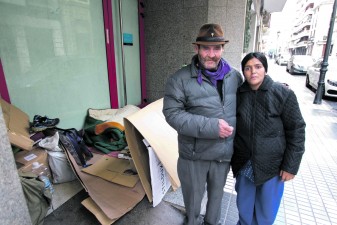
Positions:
{"x": 219, "y": 74}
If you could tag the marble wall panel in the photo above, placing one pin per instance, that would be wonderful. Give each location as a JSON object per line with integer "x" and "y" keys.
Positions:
{"x": 172, "y": 26}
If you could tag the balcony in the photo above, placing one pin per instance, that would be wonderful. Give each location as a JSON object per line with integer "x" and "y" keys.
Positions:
{"x": 302, "y": 33}
{"x": 303, "y": 26}
{"x": 301, "y": 44}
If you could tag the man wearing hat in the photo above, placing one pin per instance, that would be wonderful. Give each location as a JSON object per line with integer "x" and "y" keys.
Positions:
{"x": 200, "y": 104}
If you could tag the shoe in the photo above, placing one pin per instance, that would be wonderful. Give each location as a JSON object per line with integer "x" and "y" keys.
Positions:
{"x": 41, "y": 123}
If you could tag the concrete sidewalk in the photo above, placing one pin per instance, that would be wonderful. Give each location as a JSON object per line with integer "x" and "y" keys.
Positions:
{"x": 311, "y": 198}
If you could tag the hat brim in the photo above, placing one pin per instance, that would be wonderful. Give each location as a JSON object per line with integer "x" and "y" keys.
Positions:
{"x": 210, "y": 43}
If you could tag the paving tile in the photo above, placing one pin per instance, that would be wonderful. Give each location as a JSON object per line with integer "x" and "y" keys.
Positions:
{"x": 306, "y": 212}
{"x": 322, "y": 221}
{"x": 308, "y": 222}
{"x": 303, "y": 202}
{"x": 307, "y": 217}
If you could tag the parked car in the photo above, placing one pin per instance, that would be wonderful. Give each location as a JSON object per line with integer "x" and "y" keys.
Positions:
{"x": 330, "y": 80}
{"x": 282, "y": 59}
{"x": 299, "y": 64}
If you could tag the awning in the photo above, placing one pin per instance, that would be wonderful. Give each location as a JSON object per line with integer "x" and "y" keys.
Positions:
{"x": 273, "y": 6}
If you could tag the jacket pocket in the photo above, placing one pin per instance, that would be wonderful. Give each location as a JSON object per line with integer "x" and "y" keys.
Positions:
{"x": 186, "y": 146}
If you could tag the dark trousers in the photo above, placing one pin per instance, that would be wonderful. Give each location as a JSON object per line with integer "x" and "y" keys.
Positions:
{"x": 194, "y": 175}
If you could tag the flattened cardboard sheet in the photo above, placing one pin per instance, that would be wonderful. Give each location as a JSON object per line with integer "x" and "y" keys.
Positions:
{"x": 115, "y": 170}
{"x": 149, "y": 123}
{"x": 96, "y": 210}
{"x": 113, "y": 199}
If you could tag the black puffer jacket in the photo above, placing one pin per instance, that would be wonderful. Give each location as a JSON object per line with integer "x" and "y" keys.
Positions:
{"x": 270, "y": 130}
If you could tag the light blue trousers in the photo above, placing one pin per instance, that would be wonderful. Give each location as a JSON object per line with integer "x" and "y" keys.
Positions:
{"x": 258, "y": 205}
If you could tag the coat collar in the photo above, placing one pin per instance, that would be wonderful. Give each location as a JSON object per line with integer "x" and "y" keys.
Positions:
{"x": 194, "y": 68}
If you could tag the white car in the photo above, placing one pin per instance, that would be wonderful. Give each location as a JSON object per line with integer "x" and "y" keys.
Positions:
{"x": 299, "y": 64}
{"x": 330, "y": 80}
{"x": 282, "y": 59}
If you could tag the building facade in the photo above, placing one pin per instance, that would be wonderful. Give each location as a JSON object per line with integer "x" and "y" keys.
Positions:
{"x": 310, "y": 30}
{"x": 320, "y": 28}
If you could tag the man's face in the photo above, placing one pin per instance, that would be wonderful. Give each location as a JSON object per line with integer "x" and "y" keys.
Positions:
{"x": 209, "y": 55}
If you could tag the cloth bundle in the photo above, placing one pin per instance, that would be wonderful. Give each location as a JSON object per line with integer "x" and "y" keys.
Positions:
{"x": 104, "y": 128}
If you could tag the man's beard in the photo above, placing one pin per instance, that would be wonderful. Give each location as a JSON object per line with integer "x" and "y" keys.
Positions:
{"x": 202, "y": 63}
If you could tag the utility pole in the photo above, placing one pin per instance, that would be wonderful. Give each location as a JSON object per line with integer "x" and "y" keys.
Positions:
{"x": 320, "y": 84}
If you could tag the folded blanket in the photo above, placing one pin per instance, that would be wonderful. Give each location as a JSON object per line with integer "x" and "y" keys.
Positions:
{"x": 104, "y": 128}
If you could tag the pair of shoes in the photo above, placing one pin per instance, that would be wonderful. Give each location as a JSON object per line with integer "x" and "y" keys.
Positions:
{"x": 41, "y": 123}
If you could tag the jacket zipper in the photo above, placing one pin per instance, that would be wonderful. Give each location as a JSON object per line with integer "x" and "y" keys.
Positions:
{"x": 253, "y": 139}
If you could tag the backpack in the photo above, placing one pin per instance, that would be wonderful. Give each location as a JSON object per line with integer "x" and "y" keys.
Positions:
{"x": 72, "y": 141}
{"x": 37, "y": 196}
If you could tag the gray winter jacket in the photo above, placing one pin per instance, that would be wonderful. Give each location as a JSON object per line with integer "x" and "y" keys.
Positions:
{"x": 194, "y": 109}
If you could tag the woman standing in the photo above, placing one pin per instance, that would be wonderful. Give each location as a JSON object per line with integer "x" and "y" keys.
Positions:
{"x": 269, "y": 142}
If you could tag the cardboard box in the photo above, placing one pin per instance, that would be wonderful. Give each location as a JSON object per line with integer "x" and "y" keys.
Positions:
{"x": 37, "y": 156}
{"x": 149, "y": 123}
{"x": 17, "y": 123}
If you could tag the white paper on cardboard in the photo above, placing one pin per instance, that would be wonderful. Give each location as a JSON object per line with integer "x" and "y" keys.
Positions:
{"x": 30, "y": 157}
{"x": 160, "y": 180}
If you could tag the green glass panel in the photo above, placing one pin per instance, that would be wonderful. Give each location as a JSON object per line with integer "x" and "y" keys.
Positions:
{"x": 127, "y": 47}
{"x": 54, "y": 58}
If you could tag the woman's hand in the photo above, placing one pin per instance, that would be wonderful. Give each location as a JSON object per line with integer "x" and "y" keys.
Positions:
{"x": 285, "y": 176}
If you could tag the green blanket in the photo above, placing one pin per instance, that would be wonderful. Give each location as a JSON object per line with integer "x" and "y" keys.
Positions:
{"x": 104, "y": 136}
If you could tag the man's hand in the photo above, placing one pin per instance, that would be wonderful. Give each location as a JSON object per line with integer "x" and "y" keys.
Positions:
{"x": 224, "y": 129}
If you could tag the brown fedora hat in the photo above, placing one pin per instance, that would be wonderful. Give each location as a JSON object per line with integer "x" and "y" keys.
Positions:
{"x": 210, "y": 34}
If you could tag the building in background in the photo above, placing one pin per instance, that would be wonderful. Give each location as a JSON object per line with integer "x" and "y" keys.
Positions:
{"x": 320, "y": 23}
{"x": 258, "y": 16}
{"x": 301, "y": 27}
{"x": 310, "y": 30}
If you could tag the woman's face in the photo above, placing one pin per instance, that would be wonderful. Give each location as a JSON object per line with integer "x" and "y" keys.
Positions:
{"x": 254, "y": 73}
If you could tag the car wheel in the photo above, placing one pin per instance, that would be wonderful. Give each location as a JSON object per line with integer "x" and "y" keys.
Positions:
{"x": 291, "y": 70}
{"x": 307, "y": 82}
